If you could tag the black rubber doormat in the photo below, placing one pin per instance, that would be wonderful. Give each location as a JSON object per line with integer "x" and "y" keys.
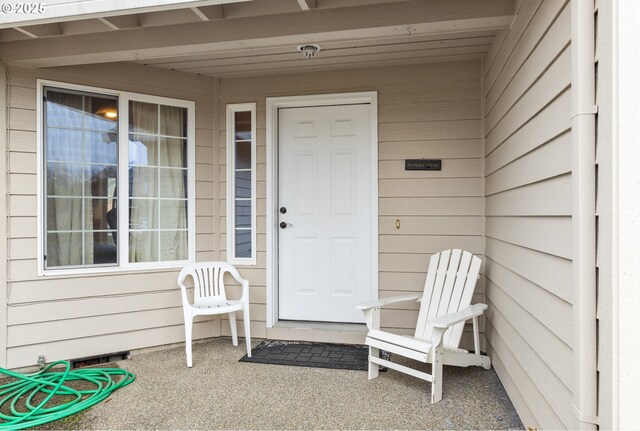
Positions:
{"x": 306, "y": 354}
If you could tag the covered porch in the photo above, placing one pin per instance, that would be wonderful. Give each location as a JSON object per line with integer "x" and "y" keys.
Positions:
{"x": 221, "y": 393}
{"x": 482, "y": 86}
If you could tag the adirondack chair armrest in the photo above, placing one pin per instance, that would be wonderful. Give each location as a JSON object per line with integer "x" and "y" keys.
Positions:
{"x": 377, "y": 303}
{"x": 448, "y": 320}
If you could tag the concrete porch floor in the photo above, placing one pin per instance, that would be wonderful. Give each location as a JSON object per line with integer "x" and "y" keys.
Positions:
{"x": 221, "y": 393}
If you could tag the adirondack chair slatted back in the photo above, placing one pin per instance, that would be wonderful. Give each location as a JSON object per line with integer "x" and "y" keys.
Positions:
{"x": 208, "y": 280}
{"x": 451, "y": 280}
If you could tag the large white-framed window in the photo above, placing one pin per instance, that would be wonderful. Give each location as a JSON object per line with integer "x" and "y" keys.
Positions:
{"x": 241, "y": 183}
{"x": 116, "y": 176}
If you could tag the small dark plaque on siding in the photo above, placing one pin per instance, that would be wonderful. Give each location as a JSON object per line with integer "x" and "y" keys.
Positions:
{"x": 422, "y": 165}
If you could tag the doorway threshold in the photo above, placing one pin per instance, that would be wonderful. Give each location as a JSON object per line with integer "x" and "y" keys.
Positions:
{"x": 327, "y": 332}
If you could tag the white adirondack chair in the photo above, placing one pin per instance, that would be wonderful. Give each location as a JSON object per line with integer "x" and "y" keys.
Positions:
{"x": 444, "y": 308}
{"x": 209, "y": 298}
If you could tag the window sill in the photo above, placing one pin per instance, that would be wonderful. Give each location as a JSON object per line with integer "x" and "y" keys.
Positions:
{"x": 242, "y": 262}
{"x": 107, "y": 271}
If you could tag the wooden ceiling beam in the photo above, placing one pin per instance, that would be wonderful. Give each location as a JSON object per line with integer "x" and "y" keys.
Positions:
{"x": 28, "y": 33}
{"x": 10, "y": 34}
{"x": 76, "y": 10}
{"x": 308, "y": 4}
{"x": 123, "y": 22}
{"x": 174, "y": 61}
{"x": 411, "y": 18}
{"x": 85, "y": 26}
{"x": 109, "y": 24}
{"x": 197, "y": 12}
{"x": 42, "y": 30}
{"x": 213, "y": 12}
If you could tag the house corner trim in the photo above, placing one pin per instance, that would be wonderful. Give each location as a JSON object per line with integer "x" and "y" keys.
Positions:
{"x": 4, "y": 216}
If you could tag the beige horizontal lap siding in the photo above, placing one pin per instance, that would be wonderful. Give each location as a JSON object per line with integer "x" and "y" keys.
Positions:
{"x": 526, "y": 82}
{"x": 78, "y": 316}
{"x": 424, "y": 111}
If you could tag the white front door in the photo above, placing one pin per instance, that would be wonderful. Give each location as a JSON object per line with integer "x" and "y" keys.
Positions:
{"x": 324, "y": 217}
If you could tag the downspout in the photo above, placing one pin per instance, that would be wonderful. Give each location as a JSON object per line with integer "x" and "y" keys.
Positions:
{"x": 583, "y": 146}
{"x": 483, "y": 167}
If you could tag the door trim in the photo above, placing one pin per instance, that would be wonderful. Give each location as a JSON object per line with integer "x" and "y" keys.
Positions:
{"x": 273, "y": 104}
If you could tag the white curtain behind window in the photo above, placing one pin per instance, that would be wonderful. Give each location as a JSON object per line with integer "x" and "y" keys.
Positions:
{"x": 65, "y": 221}
{"x": 173, "y": 184}
{"x": 67, "y": 214}
{"x": 157, "y": 174}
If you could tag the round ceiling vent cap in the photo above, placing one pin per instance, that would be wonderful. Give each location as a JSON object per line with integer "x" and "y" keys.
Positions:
{"x": 309, "y": 49}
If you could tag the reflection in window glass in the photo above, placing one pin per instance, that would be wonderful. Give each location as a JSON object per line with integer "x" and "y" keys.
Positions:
{"x": 243, "y": 155}
{"x": 242, "y": 179}
{"x": 81, "y": 151}
{"x": 143, "y": 118}
{"x": 243, "y": 243}
{"x": 243, "y": 183}
{"x": 243, "y": 213}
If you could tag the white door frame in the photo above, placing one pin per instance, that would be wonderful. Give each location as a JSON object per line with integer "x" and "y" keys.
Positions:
{"x": 273, "y": 104}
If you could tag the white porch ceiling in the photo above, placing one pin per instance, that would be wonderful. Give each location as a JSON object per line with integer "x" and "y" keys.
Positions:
{"x": 234, "y": 38}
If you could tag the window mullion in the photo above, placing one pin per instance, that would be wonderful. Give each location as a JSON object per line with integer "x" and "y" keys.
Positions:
{"x": 82, "y": 200}
{"x": 123, "y": 181}
{"x": 158, "y": 151}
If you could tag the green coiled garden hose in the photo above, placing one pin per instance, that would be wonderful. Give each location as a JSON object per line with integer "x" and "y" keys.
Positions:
{"x": 17, "y": 409}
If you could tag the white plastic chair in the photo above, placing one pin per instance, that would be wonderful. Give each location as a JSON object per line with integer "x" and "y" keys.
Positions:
{"x": 444, "y": 308}
{"x": 209, "y": 298}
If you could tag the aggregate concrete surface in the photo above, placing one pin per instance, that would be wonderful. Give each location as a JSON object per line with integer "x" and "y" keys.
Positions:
{"x": 221, "y": 393}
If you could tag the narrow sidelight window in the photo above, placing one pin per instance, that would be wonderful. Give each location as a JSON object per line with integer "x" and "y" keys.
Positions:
{"x": 241, "y": 183}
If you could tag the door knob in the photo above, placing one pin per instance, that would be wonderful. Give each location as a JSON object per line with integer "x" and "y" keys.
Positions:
{"x": 284, "y": 225}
